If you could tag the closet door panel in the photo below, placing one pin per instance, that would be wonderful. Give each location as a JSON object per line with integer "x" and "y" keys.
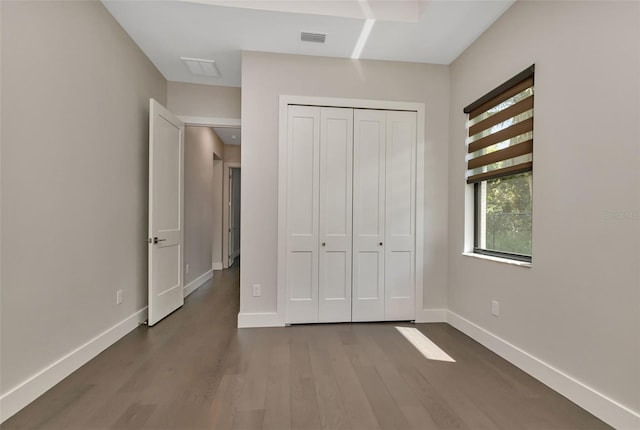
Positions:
{"x": 369, "y": 281}
{"x": 336, "y": 173}
{"x": 400, "y": 216}
{"x": 301, "y": 276}
{"x": 302, "y": 213}
{"x": 369, "y": 215}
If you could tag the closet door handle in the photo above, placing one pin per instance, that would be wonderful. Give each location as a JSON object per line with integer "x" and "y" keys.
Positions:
{"x": 323, "y": 243}
{"x": 380, "y": 243}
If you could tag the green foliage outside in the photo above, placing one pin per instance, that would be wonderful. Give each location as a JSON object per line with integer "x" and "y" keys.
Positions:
{"x": 509, "y": 214}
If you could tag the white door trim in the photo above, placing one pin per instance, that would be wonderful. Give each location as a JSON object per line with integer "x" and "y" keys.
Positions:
{"x": 226, "y": 199}
{"x": 284, "y": 102}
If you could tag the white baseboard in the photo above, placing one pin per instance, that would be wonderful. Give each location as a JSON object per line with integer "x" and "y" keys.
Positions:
{"x": 270, "y": 319}
{"x": 26, "y": 392}
{"x": 198, "y": 282}
{"x": 217, "y": 265}
{"x": 431, "y": 316}
{"x": 608, "y": 410}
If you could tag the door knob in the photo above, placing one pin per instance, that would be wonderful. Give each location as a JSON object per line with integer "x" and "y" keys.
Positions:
{"x": 323, "y": 243}
{"x": 380, "y": 243}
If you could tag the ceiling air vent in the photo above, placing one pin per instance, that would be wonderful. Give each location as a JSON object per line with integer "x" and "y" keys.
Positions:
{"x": 201, "y": 67}
{"x": 312, "y": 37}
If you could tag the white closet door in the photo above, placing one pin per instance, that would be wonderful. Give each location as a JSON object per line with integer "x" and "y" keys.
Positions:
{"x": 368, "y": 215}
{"x": 336, "y": 170}
{"x": 400, "y": 216}
{"x": 302, "y": 213}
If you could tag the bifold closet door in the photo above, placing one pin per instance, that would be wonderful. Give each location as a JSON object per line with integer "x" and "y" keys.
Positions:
{"x": 400, "y": 200}
{"x": 384, "y": 215}
{"x": 303, "y": 189}
{"x": 319, "y": 218}
{"x": 336, "y": 171}
{"x": 369, "y": 148}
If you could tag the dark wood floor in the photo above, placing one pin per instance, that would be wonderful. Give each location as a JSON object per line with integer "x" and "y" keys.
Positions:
{"x": 196, "y": 370}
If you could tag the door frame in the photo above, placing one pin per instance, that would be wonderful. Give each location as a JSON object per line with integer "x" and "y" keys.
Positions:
{"x": 206, "y": 121}
{"x": 284, "y": 102}
{"x": 226, "y": 202}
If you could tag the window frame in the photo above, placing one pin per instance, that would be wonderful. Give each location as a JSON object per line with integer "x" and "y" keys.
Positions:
{"x": 476, "y": 230}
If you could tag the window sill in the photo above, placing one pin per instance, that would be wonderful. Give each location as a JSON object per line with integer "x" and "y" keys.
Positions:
{"x": 498, "y": 259}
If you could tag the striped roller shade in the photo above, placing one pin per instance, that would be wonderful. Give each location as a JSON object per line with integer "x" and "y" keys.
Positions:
{"x": 500, "y": 130}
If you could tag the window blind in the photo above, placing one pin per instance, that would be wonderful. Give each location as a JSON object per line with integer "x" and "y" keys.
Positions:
{"x": 500, "y": 130}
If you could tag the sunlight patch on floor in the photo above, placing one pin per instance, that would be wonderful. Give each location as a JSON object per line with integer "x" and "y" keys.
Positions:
{"x": 423, "y": 344}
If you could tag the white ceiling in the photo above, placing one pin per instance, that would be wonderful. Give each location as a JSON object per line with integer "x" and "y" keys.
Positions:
{"x": 405, "y": 30}
{"x": 229, "y": 135}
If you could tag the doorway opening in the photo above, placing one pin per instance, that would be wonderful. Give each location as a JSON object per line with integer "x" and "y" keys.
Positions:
{"x": 234, "y": 214}
{"x": 232, "y": 217}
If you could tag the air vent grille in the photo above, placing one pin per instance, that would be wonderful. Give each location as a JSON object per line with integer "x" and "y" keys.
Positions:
{"x": 312, "y": 37}
{"x": 201, "y": 67}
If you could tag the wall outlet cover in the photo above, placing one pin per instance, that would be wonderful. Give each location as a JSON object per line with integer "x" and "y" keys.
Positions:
{"x": 119, "y": 297}
{"x": 257, "y": 290}
{"x": 495, "y": 308}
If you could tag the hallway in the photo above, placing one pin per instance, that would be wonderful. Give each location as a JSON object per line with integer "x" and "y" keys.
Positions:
{"x": 196, "y": 370}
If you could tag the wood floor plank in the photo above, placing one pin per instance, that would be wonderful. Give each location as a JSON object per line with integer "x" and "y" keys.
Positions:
{"x": 304, "y": 404}
{"x": 387, "y": 412}
{"x": 255, "y": 379}
{"x": 135, "y": 416}
{"x": 277, "y": 409}
{"x": 222, "y": 410}
{"x": 358, "y": 408}
{"x": 416, "y": 415}
{"x": 248, "y": 420}
{"x": 330, "y": 403}
{"x": 431, "y": 398}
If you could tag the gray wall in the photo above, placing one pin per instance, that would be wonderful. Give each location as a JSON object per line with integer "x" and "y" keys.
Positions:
{"x": 201, "y": 145}
{"x": 578, "y": 307}
{"x": 203, "y": 100}
{"x": 232, "y": 153}
{"x": 265, "y": 77}
{"x": 75, "y": 96}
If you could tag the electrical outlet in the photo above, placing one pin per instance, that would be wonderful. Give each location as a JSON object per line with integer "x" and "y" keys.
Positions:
{"x": 257, "y": 290}
{"x": 186, "y": 268}
{"x": 495, "y": 308}
{"x": 118, "y": 297}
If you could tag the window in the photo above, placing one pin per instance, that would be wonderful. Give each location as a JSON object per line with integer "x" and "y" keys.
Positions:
{"x": 500, "y": 168}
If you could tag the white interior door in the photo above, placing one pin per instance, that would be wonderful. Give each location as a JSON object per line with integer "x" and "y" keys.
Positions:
{"x": 336, "y": 171}
{"x": 166, "y": 161}
{"x": 368, "y": 215}
{"x": 303, "y": 138}
{"x": 400, "y": 216}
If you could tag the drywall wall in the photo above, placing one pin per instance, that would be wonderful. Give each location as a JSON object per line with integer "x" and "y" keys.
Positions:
{"x": 578, "y": 307}
{"x": 267, "y": 76}
{"x": 203, "y": 100}
{"x": 199, "y": 182}
{"x": 232, "y": 153}
{"x": 75, "y": 101}
{"x": 218, "y": 205}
